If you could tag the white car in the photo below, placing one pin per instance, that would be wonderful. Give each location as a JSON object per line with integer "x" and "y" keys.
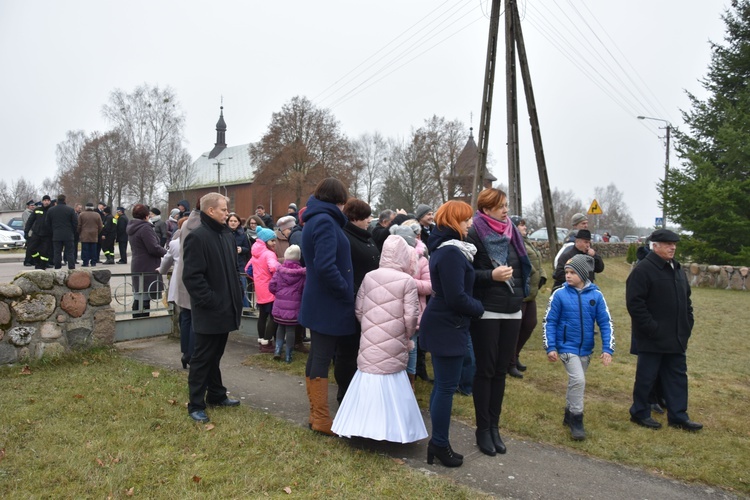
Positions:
{"x": 541, "y": 235}
{"x": 10, "y": 238}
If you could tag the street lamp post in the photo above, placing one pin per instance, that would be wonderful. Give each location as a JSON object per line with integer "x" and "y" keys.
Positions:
{"x": 218, "y": 164}
{"x": 666, "y": 169}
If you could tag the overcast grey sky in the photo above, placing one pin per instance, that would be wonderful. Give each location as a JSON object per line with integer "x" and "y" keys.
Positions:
{"x": 592, "y": 64}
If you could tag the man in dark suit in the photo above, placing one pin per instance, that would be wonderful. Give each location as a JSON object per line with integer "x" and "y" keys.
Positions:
{"x": 62, "y": 224}
{"x": 658, "y": 300}
{"x": 210, "y": 277}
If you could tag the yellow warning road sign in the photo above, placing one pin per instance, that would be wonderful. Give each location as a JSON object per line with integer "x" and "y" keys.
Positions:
{"x": 595, "y": 208}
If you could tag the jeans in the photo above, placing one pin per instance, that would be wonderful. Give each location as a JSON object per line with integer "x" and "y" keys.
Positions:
{"x": 411, "y": 365}
{"x": 447, "y": 375}
{"x": 468, "y": 370}
{"x": 576, "y": 367}
{"x": 243, "y": 283}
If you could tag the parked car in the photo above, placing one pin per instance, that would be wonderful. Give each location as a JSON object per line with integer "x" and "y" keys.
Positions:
{"x": 614, "y": 239}
{"x": 541, "y": 234}
{"x": 631, "y": 238}
{"x": 9, "y": 238}
{"x": 16, "y": 224}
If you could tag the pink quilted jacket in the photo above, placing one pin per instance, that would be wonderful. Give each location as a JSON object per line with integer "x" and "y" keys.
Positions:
{"x": 387, "y": 307}
{"x": 422, "y": 277}
{"x": 265, "y": 264}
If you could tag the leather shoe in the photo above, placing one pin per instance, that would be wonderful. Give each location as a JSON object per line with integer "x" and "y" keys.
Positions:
{"x": 513, "y": 372}
{"x": 521, "y": 367}
{"x": 200, "y": 416}
{"x": 687, "y": 425}
{"x": 657, "y": 408}
{"x": 227, "y": 402}
{"x": 646, "y": 422}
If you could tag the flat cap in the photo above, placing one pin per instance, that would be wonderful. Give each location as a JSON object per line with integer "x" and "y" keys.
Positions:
{"x": 664, "y": 235}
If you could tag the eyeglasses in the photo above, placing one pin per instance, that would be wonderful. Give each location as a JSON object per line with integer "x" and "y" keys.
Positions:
{"x": 253, "y": 223}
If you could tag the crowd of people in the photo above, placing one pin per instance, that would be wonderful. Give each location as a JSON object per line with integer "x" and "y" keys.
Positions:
{"x": 457, "y": 283}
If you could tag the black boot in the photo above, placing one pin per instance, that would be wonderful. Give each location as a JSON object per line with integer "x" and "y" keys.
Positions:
{"x": 446, "y": 455}
{"x": 521, "y": 367}
{"x": 513, "y": 372}
{"x": 485, "y": 443}
{"x": 566, "y": 419}
{"x": 421, "y": 370}
{"x": 497, "y": 440}
{"x": 576, "y": 427}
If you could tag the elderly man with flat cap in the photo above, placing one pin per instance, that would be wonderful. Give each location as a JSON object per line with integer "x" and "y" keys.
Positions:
{"x": 658, "y": 300}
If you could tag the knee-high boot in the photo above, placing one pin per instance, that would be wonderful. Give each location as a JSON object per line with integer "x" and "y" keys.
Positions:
{"x": 321, "y": 417}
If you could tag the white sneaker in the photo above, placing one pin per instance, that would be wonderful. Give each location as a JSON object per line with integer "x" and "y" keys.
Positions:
{"x": 263, "y": 341}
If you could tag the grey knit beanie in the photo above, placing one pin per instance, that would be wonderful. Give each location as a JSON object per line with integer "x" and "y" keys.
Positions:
{"x": 406, "y": 233}
{"x": 421, "y": 210}
{"x": 583, "y": 265}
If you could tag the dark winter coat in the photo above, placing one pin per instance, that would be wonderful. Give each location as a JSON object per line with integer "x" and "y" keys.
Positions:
{"x": 61, "y": 220}
{"x": 241, "y": 241}
{"x": 497, "y": 296}
{"x": 160, "y": 228}
{"x": 444, "y": 329}
{"x": 109, "y": 229}
{"x": 328, "y": 298}
{"x": 147, "y": 254}
{"x": 380, "y": 234}
{"x": 209, "y": 272}
{"x": 287, "y": 285}
{"x": 365, "y": 253}
{"x": 36, "y": 225}
{"x": 559, "y": 275}
{"x": 658, "y": 301}
{"x": 122, "y": 228}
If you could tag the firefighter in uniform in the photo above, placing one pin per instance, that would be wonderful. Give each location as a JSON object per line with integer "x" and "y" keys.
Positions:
{"x": 39, "y": 235}
{"x": 109, "y": 235}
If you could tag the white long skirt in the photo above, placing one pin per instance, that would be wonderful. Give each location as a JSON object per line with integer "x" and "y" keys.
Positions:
{"x": 380, "y": 407}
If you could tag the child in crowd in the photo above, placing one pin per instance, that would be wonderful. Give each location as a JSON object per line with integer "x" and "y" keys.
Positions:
{"x": 287, "y": 285}
{"x": 411, "y": 231}
{"x": 380, "y": 402}
{"x": 568, "y": 333}
{"x": 264, "y": 263}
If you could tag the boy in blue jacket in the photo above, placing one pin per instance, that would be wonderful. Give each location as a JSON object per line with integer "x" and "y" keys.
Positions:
{"x": 568, "y": 333}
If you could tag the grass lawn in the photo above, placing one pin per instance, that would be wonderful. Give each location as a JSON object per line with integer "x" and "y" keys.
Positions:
{"x": 719, "y": 378}
{"x": 97, "y": 425}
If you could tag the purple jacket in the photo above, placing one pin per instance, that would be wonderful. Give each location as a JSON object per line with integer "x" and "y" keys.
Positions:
{"x": 287, "y": 285}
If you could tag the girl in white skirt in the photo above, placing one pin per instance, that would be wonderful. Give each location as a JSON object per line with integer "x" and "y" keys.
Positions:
{"x": 380, "y": 403}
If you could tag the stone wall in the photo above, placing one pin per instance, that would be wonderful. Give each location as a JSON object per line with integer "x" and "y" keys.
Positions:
{"x": 727, "y": 277}
{"x": 46, "y": 313}
{"x": 606, "y": 250}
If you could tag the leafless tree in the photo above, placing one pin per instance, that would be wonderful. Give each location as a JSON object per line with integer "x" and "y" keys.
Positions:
{"x": 409, "y": 180}
{"x": 371, "y": 155}
{"x": 15, "y": 195}
{"x": 564, "y": 203}
{"x": 615, "y": 217}
{"x": 303, "y": 144}
{"x": 151, "y": 122}
{"x": 443, "y": 142}
{"x": 101, "y": 172}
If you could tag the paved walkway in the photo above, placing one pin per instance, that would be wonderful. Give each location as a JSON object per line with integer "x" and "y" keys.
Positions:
{"x": 528, "y": 471}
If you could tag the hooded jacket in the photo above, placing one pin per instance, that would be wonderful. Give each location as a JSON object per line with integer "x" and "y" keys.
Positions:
{"x": 387, "y": 306}
{"x": 287, "y": 285}
{"x": 209, "y": 273}
{"x": 568, "y": 325}
{"x": 265, "y": 264}
{"x": 444, "y": 329}
{"x": 328, "y": 299}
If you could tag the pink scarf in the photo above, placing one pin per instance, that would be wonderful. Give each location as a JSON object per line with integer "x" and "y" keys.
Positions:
{"x": 500, "y": 227}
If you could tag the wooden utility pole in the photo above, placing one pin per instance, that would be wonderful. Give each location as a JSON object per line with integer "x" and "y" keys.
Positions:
{"x": 511, "y": 99}
{"x": 513, "y": 40}
{"x": 484, "y": 119}
{"x": 536, "y": 135}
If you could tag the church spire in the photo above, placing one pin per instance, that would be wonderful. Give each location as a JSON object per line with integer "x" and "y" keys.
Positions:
{"x": 221, "y": 131}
